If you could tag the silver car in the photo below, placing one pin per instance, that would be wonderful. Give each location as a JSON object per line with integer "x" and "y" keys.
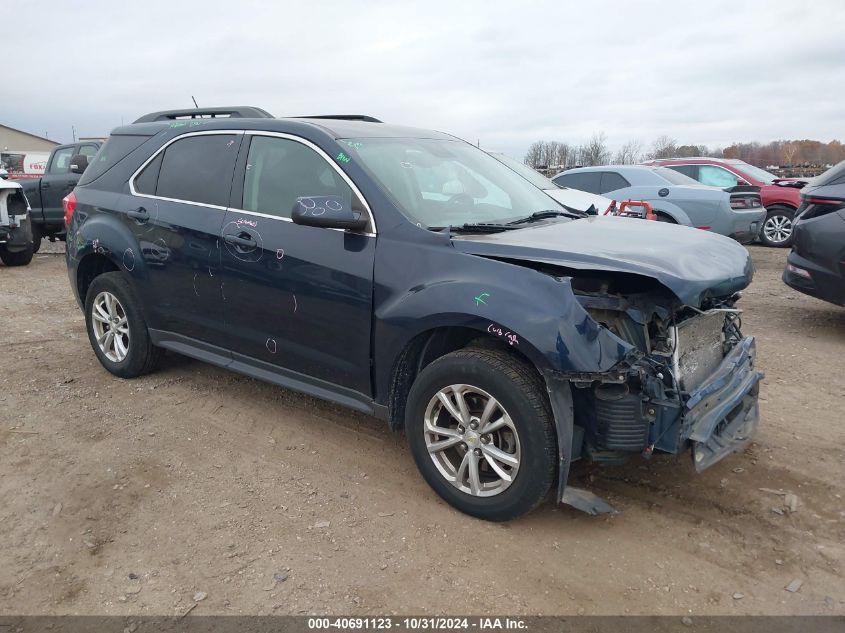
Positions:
{"x": 735, "y": 211}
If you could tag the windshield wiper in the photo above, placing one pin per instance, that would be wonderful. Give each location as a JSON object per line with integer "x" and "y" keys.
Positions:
{"x": 549, "y": 213}
{"x": 482, "y": 227}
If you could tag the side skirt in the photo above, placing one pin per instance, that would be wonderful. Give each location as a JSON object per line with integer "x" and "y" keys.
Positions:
{"x": 267, "y": 372}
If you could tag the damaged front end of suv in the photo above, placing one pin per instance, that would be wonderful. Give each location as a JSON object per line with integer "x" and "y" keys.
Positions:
{"x": 688, "y": 381}
{"x": 650, "y": 356}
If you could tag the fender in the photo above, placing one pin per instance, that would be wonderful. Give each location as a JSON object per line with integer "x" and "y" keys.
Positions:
{"x": 553, "y": 331}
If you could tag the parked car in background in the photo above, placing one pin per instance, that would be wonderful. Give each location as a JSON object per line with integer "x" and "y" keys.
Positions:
{"x": 409, "y": 275}
{"x": 816, "y": 264}
{"x": 780, "y": 196}
{"x": 735, "y": 211}
{"x": 64, "y": 169}
{"x": 570, "y": 198}
{"x": 15, "y": 226}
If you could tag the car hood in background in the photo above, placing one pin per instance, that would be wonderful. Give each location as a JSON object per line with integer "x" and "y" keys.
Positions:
{"x": 693, "y": 264}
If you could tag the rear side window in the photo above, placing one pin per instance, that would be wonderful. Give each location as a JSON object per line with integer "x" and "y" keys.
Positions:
{"x": 279, "y": 171}
{"x": 61, "y": 161}
{"x": 115, "y": 149}
{"x": 589, "y": 181}
{"x": 611, "y": 181}
{"x": 199, "y": 169}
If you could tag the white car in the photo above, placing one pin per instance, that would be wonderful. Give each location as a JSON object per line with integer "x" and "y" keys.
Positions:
{"x": 570, "y": 198}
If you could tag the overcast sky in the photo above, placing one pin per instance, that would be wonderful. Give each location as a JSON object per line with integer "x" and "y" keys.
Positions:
{"x": 505, "y": 73}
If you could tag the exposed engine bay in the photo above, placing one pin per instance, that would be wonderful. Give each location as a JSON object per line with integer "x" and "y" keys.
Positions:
{"x": 688, "y": 362}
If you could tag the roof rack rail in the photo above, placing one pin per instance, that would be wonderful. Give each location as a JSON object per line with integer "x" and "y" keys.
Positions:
{"x": 240, "y": 112}
{"x": 343, "y": 117}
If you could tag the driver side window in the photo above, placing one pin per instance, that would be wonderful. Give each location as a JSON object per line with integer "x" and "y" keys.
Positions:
{"x": 279, "y": 170}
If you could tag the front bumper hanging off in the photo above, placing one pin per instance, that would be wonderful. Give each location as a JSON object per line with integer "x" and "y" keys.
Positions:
{"x": 721, "y": 415}
{"x": 718, "y": 418}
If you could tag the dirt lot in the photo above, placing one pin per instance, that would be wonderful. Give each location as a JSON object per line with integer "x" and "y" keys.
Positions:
{"x": 124, "y": 497}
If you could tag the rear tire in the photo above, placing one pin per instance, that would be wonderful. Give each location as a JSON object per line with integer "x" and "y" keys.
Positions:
{"x": 778, "y": 227}
{"x": 19, "y": 258}
{"x": 664, "y": 217}
{"x": 117, "y": 329}
{"x": 520, "y": 443}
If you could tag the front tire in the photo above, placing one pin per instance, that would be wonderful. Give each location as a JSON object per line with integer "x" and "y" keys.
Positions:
{"x": 777, "y": 227}
{"x": 482, "y": 434}
{"x": 117, "y": 329}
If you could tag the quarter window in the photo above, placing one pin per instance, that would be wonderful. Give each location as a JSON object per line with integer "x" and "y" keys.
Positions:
{"x": 61, "y": 161}
{"x": 198, "y": 169}
{"x": 280, "y": 170}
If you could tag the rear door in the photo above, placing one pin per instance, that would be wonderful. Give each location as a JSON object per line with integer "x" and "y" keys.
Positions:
{"x": 176, "y": 209}
{"x": 56, "y": 183}
{"x": 296, "y": 298}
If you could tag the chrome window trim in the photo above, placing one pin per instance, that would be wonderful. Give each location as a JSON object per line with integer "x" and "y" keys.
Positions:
{"x": 328, "y": 159}
{"x": 268, "y": 216}
{"x": 135, "y": 175}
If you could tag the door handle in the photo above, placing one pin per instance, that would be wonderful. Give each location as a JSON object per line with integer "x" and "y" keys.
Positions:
{"x": 45, "y": 185}
{"x": 246, "y": 242}
{"x": 139, "y": 214}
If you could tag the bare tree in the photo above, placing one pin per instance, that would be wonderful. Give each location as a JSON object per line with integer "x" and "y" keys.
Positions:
{"x": 629, "y": 153}
{"x": 595, "y": 152}
{"x": 534, "y": 155}
{"x": 663, "y": 147}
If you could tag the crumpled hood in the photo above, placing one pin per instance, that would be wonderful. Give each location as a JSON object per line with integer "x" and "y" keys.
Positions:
{"x": 690, "y": 262}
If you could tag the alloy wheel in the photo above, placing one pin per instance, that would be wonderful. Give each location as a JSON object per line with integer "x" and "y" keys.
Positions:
{"x": 472, "y": 440}
{"x": 111, "y": 328}
{"x": 777, "y": 228}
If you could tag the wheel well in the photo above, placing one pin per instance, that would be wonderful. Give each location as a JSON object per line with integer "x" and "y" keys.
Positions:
{"x": 663, "y": 214}
{"x": 91, "y": 267}
{"x": 427, "y": 347}
{"x": 782, "y": 205}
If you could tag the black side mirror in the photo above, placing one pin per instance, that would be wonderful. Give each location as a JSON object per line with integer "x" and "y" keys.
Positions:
{"x": 327, "y": 211}
{"x": 78, "y": 163}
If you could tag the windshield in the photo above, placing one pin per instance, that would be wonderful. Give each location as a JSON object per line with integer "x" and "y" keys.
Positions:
{"x": 674, "y": 177}
{"x": 441, "y": 182}
{"x": 756, "y": 173}
{"x": 534, "y": 177}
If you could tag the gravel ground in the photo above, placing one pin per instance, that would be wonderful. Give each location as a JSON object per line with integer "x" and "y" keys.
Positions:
{"x": 196, "y": 486}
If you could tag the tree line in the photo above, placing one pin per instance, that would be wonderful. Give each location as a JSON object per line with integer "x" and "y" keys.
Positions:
{"x": 595, "y": 152}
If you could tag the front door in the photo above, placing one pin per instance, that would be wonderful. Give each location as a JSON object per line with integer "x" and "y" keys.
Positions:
{"x": 296, "y": 298}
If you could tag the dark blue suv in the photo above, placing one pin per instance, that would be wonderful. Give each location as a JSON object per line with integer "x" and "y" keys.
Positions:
{"x": 408, "y": 274}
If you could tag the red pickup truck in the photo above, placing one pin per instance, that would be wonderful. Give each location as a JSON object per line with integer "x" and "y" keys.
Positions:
{"x": 781, "y": 196}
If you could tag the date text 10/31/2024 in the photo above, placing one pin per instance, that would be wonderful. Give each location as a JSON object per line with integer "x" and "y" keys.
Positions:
{"x": 416, "y": 624}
